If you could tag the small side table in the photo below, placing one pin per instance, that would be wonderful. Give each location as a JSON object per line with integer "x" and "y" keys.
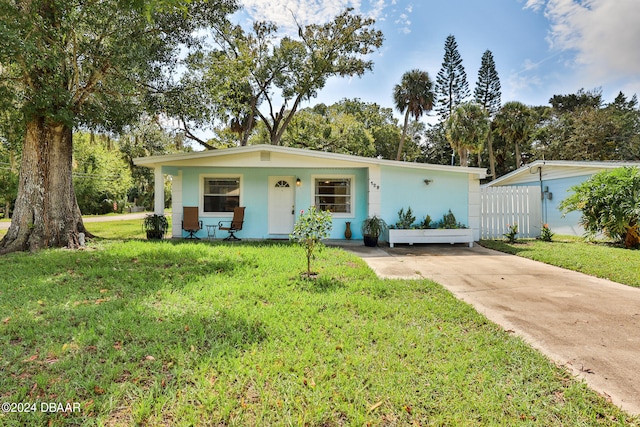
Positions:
{"x": 211, "y": 231}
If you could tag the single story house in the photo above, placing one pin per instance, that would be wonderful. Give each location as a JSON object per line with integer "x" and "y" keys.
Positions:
{"x": 555, "y": 178}
{"x": 276, "y": 183}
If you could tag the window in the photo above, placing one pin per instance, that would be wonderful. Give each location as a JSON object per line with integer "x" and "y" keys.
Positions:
{"x": 333, "y": 194}
{"x": 221, "y": 194}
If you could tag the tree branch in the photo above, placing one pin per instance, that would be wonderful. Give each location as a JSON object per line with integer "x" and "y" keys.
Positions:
{"x": 191, "y": 136}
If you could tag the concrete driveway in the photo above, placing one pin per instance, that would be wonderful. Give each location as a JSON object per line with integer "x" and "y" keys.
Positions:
{"x": 589, "y": 325}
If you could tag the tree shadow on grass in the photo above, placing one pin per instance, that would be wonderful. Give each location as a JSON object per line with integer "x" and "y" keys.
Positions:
{"x": 508, "y": 248}
{"x": 132, "y": 270}
{"x": 104, "y": 349}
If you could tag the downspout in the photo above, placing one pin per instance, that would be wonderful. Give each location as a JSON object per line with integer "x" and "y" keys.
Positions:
{"x": 543, "y": 201}
{"x": 543, "y": 210}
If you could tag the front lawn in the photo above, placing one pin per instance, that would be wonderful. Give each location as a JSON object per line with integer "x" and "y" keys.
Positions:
{"x": 600, "y": 259}
{"x": 185, "y": 334}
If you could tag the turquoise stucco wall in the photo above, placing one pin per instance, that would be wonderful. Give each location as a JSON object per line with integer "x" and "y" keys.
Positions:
{"x": 254, "y": 195}
{"x": 404, "y": 187}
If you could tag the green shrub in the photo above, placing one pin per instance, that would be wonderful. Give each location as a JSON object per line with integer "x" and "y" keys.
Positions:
{"x": 610, "y": 204}
{"x": 546, "y": 235}
{"x": 512, "y": 233}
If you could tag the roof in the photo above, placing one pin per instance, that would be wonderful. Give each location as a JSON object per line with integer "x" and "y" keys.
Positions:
{"x": 264, "y": 155}
{"x": 555, "y": 169}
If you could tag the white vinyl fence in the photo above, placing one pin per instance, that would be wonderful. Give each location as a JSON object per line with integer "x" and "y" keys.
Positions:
{"x": 504, "y": 206}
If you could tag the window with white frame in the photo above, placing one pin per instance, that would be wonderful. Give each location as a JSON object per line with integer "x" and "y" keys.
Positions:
{"x": 221, "y": 194}
{"x": 334, "y": 194}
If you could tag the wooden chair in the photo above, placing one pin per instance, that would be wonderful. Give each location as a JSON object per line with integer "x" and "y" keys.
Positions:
{"x": 190, "y": 222}
{"x": 234, "y": 225}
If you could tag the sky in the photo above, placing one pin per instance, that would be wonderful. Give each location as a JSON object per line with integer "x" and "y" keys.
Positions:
{"x": 541, "y": 47}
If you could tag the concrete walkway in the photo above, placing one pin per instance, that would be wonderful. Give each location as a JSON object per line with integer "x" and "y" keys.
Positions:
{"x": 589, "y": 325}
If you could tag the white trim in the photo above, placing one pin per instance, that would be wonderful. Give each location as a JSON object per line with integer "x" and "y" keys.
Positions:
{"x": 201, "y": 179}
{"x": 352, "y": 194}
{"x": 184, "y": 159}
{"x": 474, "y": 209}
{"x": 561, "y": 168}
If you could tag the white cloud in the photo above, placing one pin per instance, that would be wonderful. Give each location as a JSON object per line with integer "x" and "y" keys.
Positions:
{"x": 282, "y": 12}
{"x": 604, "y": 34}
{"x": 534, "y": 4}
{"x": 403, "y": 21}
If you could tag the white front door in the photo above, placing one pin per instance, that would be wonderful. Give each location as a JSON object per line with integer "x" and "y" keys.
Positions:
{"x": 281, "y": 204}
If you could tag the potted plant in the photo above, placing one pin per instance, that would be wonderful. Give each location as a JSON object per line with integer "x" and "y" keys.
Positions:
{"x": 155, "y": 226}
{"x": 372, "y": 228}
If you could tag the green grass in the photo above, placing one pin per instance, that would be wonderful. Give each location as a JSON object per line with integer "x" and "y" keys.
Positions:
{"x": 600, "y": 259}
{"x": 183, "y": 333}
{"x": 126, "y": 229}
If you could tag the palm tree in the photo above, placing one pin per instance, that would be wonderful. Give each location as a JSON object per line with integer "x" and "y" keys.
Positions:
{"x": 413, "y": 96}
{"x": 515, "y": 123}
{"x": 466, "y": 129}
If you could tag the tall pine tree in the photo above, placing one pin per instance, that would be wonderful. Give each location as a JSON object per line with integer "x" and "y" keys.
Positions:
{"x": 487, "y": 94}
{"x": 452, "y": 88}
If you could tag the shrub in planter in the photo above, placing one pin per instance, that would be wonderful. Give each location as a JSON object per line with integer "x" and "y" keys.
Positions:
{"x": 405, "y": 219}
{"x": 426, "y": 223}
{"x": 449, "y": 221}
{"x": 447, "y": 230}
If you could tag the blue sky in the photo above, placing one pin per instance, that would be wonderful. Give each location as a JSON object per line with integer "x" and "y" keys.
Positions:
{"x": 541, "y": 47}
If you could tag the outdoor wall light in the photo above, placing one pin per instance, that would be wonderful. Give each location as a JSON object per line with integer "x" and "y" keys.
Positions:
{"x": 428, "y": 181}
{"x": 298, "y": 182}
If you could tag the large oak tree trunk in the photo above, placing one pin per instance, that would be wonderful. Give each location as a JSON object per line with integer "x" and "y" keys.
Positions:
{"x": 46, "y": 212}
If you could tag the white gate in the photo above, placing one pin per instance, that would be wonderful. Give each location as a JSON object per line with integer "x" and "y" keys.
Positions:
{"x": 504, "y": 206}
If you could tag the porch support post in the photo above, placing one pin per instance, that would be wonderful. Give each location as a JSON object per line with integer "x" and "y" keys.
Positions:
{"x": 474, "y": 206}
{"x": 158, "y": 186}
{"x": 375, "y": 176}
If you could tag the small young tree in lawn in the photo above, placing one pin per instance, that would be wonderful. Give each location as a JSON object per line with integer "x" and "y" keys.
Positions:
{"x": 610, "y": 204}
{"x": 309, "y": 230}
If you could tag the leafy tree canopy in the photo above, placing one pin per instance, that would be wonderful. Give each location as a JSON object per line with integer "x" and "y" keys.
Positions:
{"x": 258, "y": 75}
{"x": 93, "y": 64}
{"x": 101, "y": 175}
{"x": 349, "y": 126}
{"x": 413, "y": 96}
{"x": 582, "y": 127}
{"x": 467, "y": 129}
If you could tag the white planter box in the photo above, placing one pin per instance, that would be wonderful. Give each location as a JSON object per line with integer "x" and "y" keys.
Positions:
{"x": 454, "y": 235}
